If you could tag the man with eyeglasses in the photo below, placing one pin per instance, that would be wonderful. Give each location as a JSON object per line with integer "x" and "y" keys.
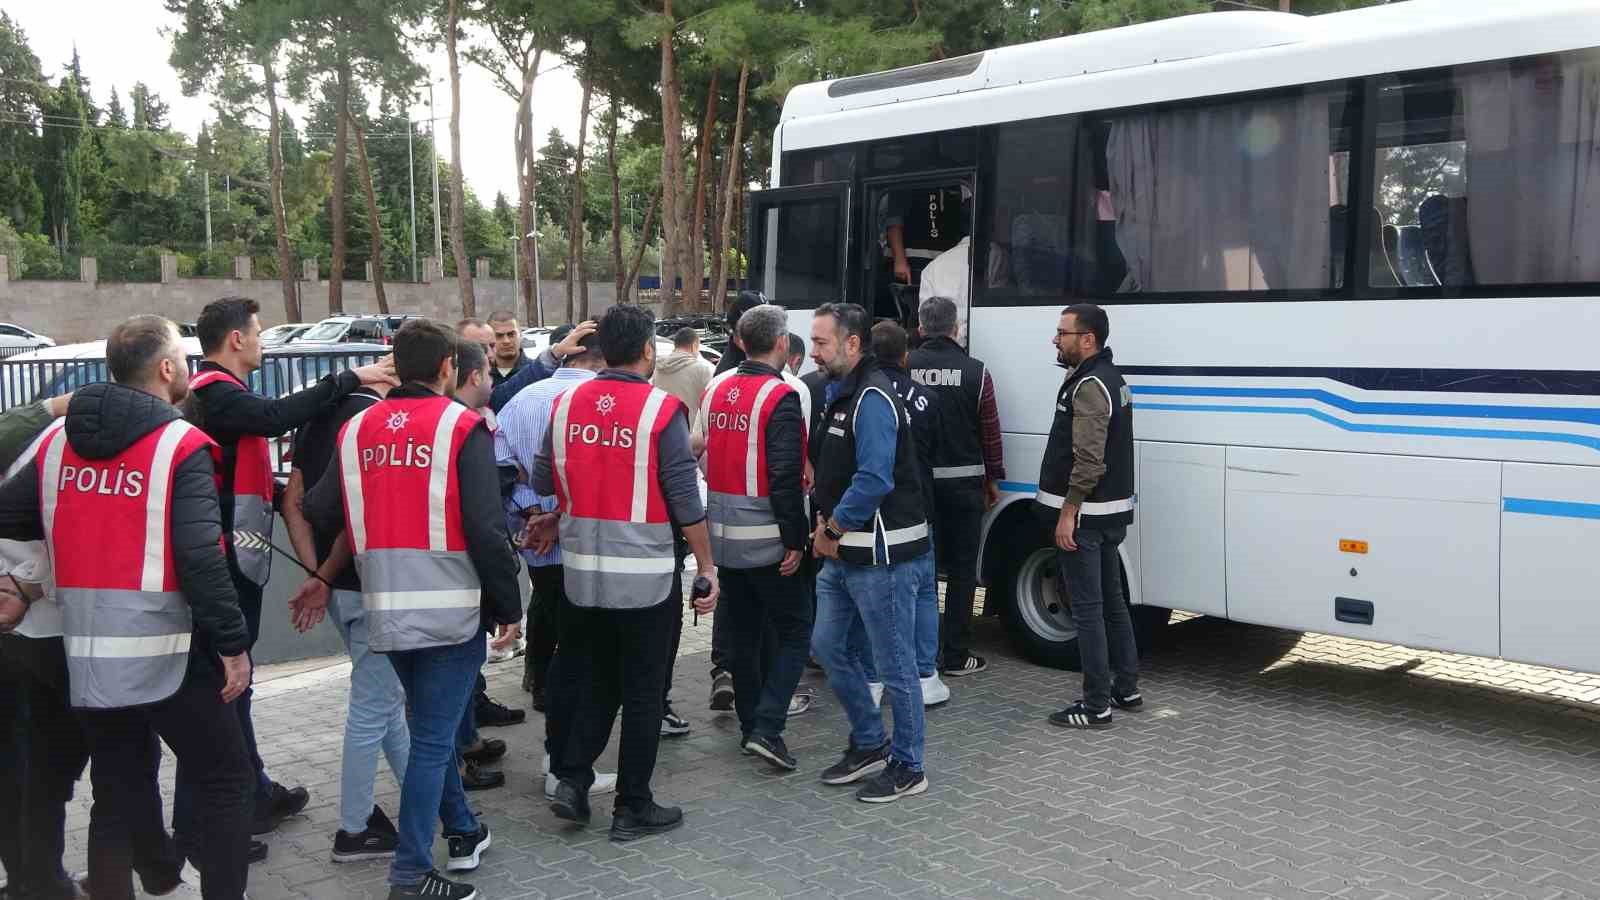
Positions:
{"x": 1086, "y": 487}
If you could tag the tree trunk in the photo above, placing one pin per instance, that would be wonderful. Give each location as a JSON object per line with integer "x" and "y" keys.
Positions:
{"x": 618, "y": 276}
{"x": 280, "y": 225}
{"x": 730, "y": 190}
{"x": 372, "y": 216}
{"x": 702, "y": 168}
{"x": 341, "y": 149}
{"x": 644, "y": 241}
{"x": 672, "y": 219}
{"x": 458, "y": 240}
{"x": 527, "y": 176}
{"x": 576, "y": 276}
{"x": 715, "y": 239}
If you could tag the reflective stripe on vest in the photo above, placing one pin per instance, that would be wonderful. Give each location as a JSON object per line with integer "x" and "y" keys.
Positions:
{"x": 251, "y": 532}
{"x": 616, "y": 541}
{"x": 127, "y": 628}
{"x": 1110, "y": 507}
{"x": 958, "y": 471}
{"x": 743, "y": 529}
{"x": 894, "y": 537}
{"x": 397, "y": 462}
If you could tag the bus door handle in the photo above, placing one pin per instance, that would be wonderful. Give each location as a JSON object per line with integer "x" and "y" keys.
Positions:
{"x": 1356, "y": 612}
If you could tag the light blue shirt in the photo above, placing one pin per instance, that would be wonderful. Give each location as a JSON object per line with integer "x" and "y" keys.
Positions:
{"x": 523, "y": 423}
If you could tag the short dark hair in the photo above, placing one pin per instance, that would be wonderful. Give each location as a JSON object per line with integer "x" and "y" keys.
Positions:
{"x": 624, "y": 332}
{"x": 420, "y": 347}
{"x": 1093, "y": 318}
{"x": 469, "y": 322}
{"x": 469, "y": 358}
{"x": 137, "y": 344}
{"x": 221, "y": 318}
{"x": 936, "y": 317}
{"x": 851, "y": 319}
{"x": 502, "y": 315}
{"x": 797, "y": 345}
{"x": 685, "y": 337}
{"x": 889, "y": 342}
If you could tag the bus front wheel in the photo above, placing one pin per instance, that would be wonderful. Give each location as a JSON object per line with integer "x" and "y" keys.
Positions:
{"x": 1037, "y": 616}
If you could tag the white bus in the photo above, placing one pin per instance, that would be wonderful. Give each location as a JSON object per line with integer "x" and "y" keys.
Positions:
{"x": 1352, "y": 267}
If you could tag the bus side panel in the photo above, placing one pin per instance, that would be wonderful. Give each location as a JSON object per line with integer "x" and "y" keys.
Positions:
{"x": 1181, "y": 525}
{"x": 1549, "y": 567}
{"x": 1321, "y": 541}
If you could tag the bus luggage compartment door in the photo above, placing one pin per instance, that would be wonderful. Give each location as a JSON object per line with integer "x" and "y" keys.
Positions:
{"x": 1550, "y": 566}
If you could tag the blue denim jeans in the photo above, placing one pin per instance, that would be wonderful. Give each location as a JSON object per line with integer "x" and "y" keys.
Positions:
{"x": 438, "y": 685}
{"x": 927, "y": 623}
{"x": 377, "y": 717}
{"x": 877, "y": 604}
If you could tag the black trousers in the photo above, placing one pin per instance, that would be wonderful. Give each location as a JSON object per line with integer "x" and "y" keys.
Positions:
{"x": 562, "y": 676}
{"x": 768, "y": 620}
{"x": 626, "y": 655}
{"x": 544, "y": 614}
{"x": 41, "y": 768}
{"x": 957, "y": 530}
{"x": 125, "y": 826}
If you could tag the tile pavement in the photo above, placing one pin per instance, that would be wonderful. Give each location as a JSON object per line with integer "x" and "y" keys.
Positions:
{"x": 1267, "y": 764}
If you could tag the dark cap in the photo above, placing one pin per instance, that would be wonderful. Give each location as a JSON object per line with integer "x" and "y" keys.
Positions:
{"x": 746, "y": 301}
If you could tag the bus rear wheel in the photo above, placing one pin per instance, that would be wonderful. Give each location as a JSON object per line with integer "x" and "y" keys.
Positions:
{"x": 1037, "y": 616}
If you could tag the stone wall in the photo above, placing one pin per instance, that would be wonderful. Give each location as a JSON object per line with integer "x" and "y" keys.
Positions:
{"x": 83, "y": 310}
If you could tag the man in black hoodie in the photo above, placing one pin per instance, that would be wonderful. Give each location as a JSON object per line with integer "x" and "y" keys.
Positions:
{"x": 160, "y": 652}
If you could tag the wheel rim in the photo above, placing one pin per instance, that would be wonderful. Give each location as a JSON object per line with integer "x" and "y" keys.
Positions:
{"x": 1040, "y": 601}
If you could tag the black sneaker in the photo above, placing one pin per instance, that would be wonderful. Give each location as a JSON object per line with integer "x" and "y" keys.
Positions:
{"x": 894, "y": 782}
{"x": 856, "y": 765}
{"x": 478, "y": 779}
{"x": 369, "y": 844}
{"x": 490, "y": 714}
{"x": 284, "y": 802}
{"x": 672, "y": 724}
{"x": 538, "y": 701}
{"x": 379, "y": 821}
{"x": 1079, "y": 716}
{"x": 487, "y": 751}
{"x": 773, "y": 750}
{"x": 1129, "y": 702}
{"x": 570, "y": 803}
{"x": 466, "y": 850}
{"x": 628, "y": 824}
{"x": 970, "y": 665}
{"x": 433, "y": 886}
{"x": 721, "y": 690}
{"x": 256, "y": 853}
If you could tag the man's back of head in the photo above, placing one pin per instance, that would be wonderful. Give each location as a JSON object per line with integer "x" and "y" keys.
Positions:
{"x": 686, "y": 340}
{"x": 937, "y": 317}
{"x": 137, "y": 347}
{"x": 421, "y": 348}
{"x": 889, "y": 344}
{"x": 627, "y": 335}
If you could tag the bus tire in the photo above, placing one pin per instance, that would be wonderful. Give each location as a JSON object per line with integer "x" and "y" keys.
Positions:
{"x": 1036, "y": 614}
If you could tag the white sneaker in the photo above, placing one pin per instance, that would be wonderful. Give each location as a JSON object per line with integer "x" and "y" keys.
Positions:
{"x": 876, "y": 687}
{"x": 604, "y": 782}
{"x": 934, "y": 691}
{"x": 188, "y": 885}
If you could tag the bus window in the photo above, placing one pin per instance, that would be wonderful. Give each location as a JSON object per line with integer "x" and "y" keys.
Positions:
{"x": 818, "y": 166}
{"x": 1490, "y": 174}
{"x": 1029, "y": 210}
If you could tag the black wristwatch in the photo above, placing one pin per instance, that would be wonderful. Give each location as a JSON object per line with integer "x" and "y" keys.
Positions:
{"x": 833, "y": 533}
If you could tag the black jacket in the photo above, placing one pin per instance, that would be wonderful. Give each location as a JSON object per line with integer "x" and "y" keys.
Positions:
{"x": 785, "y": 463}
{"x": 927, "y": 425}
{"x": 102, "y": 421}
{"x": 732, "y": 358}
{"x": 482, "y": 518}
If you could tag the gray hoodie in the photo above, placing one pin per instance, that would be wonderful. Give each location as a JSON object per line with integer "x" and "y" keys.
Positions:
{"x": 685, "y": 376}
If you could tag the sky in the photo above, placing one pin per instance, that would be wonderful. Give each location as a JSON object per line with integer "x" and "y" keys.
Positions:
{"x": 124, "y": 41}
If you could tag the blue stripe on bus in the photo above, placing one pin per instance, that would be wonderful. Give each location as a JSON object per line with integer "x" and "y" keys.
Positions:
{"x": 1563, "y": 382}
{"x": 1579, "y": 440}
{"x": 1582, "y": 415}
{"x": 1564, "y": 509}
{"x": 1019, "y": 487}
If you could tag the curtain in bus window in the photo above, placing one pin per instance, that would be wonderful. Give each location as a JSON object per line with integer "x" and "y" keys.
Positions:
{"x": 1533, "y": 169}
{"x": 1227, "y": 197}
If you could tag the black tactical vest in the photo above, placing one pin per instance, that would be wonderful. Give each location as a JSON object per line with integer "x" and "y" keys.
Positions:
{"x": 1111, "y": 502}
{"x": 941, "y": 366}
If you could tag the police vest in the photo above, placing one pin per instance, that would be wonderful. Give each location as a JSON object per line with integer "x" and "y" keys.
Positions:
{"x": 744, "y": 531}
{"x": 941, "y": 366}
{"x": 402, "y": 510}
{"x": 901, "y": 524}
{"x": 251, "y": 533}
{"x": 931, "y": 220}
{"x": 1111, "y": 503}
{"x": 126, "y": 625}
{"x": 616, "y": 538}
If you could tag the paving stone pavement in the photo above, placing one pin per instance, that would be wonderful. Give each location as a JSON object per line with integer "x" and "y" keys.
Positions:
{"x": 1266, "y": 764}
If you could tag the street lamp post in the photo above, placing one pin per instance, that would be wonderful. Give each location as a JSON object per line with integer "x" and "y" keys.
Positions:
{"x": 433, "y": 152}
{"x": 538, "y": 297}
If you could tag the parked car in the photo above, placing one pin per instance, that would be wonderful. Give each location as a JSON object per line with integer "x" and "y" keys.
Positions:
{"x": 536, "y": 340}
{"x": 279, "y": 335}
{"x": 713, "y": 329}
{"x": 53, "y": 371}
{"x": 188, "y": 329}
{"x": 16, "y": 339}
{"x": 353, "y": 329}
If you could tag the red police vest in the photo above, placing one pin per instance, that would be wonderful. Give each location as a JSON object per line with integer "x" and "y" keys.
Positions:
{"x": 402, "y": 508}
{"x": 251, "y": 533}
{"x": 744, "y": 531}
{"x": 108, "y": 524}
{"x": 616, "y": 540}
